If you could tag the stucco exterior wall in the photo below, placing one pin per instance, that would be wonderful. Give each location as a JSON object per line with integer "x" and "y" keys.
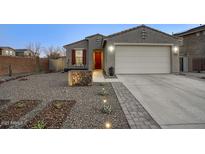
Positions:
{"x": 94, "y": 43}
{"x": 81, "y": 44}
{"x": 193, "y": 47}
{"x": 140, "y": 35}
{"x": 90, "y": 44}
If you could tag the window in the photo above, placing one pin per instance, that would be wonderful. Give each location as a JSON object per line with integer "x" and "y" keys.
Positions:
{"x": 79, "y": 57}
{"x": 10, "y": 53}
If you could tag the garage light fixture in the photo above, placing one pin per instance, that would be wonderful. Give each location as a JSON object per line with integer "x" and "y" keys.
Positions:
{"x": 175, "y": 49}
{"x": 111, "y": 48}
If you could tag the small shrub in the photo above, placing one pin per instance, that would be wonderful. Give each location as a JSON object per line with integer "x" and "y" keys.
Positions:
{"x": 20, "y": 105}
{"x": 58, "y": 105}
{"x": 106, "y": 108}
{"x": 40, "y": 125}
{"x": 103, "y": 92}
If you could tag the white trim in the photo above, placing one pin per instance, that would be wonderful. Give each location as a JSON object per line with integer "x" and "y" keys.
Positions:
{"x": 144, "y": 44}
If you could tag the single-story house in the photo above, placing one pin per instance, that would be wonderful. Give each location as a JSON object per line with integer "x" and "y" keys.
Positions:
{"x": 192, "y": 51}
{"x": 24, "y": 52}
{"x": 139, "y": 50}
{"x": 7, "y": 51}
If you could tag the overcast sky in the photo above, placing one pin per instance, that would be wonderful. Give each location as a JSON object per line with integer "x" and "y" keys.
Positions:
{"x": 19, "y": 36}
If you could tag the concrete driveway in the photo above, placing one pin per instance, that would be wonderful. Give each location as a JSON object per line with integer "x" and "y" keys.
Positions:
{"x": 173, "y": 101}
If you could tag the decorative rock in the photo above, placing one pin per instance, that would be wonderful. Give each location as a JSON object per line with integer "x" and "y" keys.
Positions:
{"x": 79, "y": 78}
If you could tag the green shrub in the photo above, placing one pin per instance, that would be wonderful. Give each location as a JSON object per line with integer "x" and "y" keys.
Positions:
{"x": 20, "y": 105}
{"x": 40, "y": 125}
{"x": 58, "y": 105}
{"x": 106, "y": 108}
{"x": 103, "y": 92}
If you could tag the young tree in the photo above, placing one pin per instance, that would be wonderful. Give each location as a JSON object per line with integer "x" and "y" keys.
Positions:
{"x": 35, "y": 47}
{"x": 53, "y": 53}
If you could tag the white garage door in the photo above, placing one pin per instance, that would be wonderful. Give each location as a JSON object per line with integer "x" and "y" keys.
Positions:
{"x": 142, "y": 59}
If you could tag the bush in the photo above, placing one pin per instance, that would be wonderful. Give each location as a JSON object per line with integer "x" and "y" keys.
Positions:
{"x": 40, "y": 125}
{"x": 106, "y": 108}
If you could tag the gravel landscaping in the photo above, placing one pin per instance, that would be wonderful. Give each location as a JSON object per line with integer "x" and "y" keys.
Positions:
{"x": 87, "y": 111}
{"x": 3, "y": 102}
{"x": 52, "y": 116}
{"x": 12, "y": 114}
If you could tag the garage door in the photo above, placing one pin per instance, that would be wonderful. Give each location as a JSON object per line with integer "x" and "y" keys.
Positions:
{"x": 142, "y": 59}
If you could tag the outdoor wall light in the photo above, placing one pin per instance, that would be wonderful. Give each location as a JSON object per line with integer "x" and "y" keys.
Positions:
{"x": 111, "y": 48}
{"x": 175, "y": 49}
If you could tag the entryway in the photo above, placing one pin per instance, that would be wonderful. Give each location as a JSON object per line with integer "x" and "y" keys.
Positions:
{"x": 97, "y": 59}
{"x": 99, "y": 77}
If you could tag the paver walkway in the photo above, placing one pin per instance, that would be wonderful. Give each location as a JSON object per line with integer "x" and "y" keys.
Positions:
{"x": 135, "y": 113}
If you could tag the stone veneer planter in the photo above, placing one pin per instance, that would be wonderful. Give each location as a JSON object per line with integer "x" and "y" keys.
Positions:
{"x": 79, "y": 78}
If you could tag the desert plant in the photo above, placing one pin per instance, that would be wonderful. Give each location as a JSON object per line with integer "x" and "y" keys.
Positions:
{"x": 58, "y": 105}
{"x": 106, "y": 108}
{"x": 40, "y": 125}
{"x": 103, "y": 92}
{"x": 20, "y": 105}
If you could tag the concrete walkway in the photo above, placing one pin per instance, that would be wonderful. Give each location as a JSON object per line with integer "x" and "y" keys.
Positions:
{"x": 99, "y": 77}
{"x": 173, "y": 101}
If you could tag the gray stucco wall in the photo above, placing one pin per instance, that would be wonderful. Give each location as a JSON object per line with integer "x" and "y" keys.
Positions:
{"x": 94, "y": 43}
{"x": 140, "y": 35}
{"x": 81, "y": 44}
{"x": 90, "y": 43}
{"x": 193, "y": 47}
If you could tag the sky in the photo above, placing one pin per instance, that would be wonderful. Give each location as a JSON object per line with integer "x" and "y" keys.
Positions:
{"x": 20, "y": 35}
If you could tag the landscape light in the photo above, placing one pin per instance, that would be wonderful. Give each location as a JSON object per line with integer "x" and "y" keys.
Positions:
{"x": 108, "y": 125}
{"x": 104, "y": 100}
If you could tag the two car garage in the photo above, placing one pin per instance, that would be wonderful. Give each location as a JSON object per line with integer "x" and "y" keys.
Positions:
{"x": 142, "y": 59}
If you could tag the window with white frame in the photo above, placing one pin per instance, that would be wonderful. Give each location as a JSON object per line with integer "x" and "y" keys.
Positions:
{"x": 79, "y": 57}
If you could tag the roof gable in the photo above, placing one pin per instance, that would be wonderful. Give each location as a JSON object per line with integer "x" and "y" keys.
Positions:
{"x": 191, "y": 31}
{"x": 95, "y": 35}
{"x": 138, "y": 27}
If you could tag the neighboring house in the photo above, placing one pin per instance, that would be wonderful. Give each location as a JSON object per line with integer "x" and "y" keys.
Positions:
{"x": 7, "y": 51}
{"x": 139, "y": 50}
{"x": 24, "y": 52}
{"x": 192, "y": 52}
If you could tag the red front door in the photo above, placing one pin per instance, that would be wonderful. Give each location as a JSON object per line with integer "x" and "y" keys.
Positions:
{"x": 98, "y": 60}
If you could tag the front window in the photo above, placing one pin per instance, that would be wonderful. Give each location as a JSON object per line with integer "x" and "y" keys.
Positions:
{"x": 79, "y": 57}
